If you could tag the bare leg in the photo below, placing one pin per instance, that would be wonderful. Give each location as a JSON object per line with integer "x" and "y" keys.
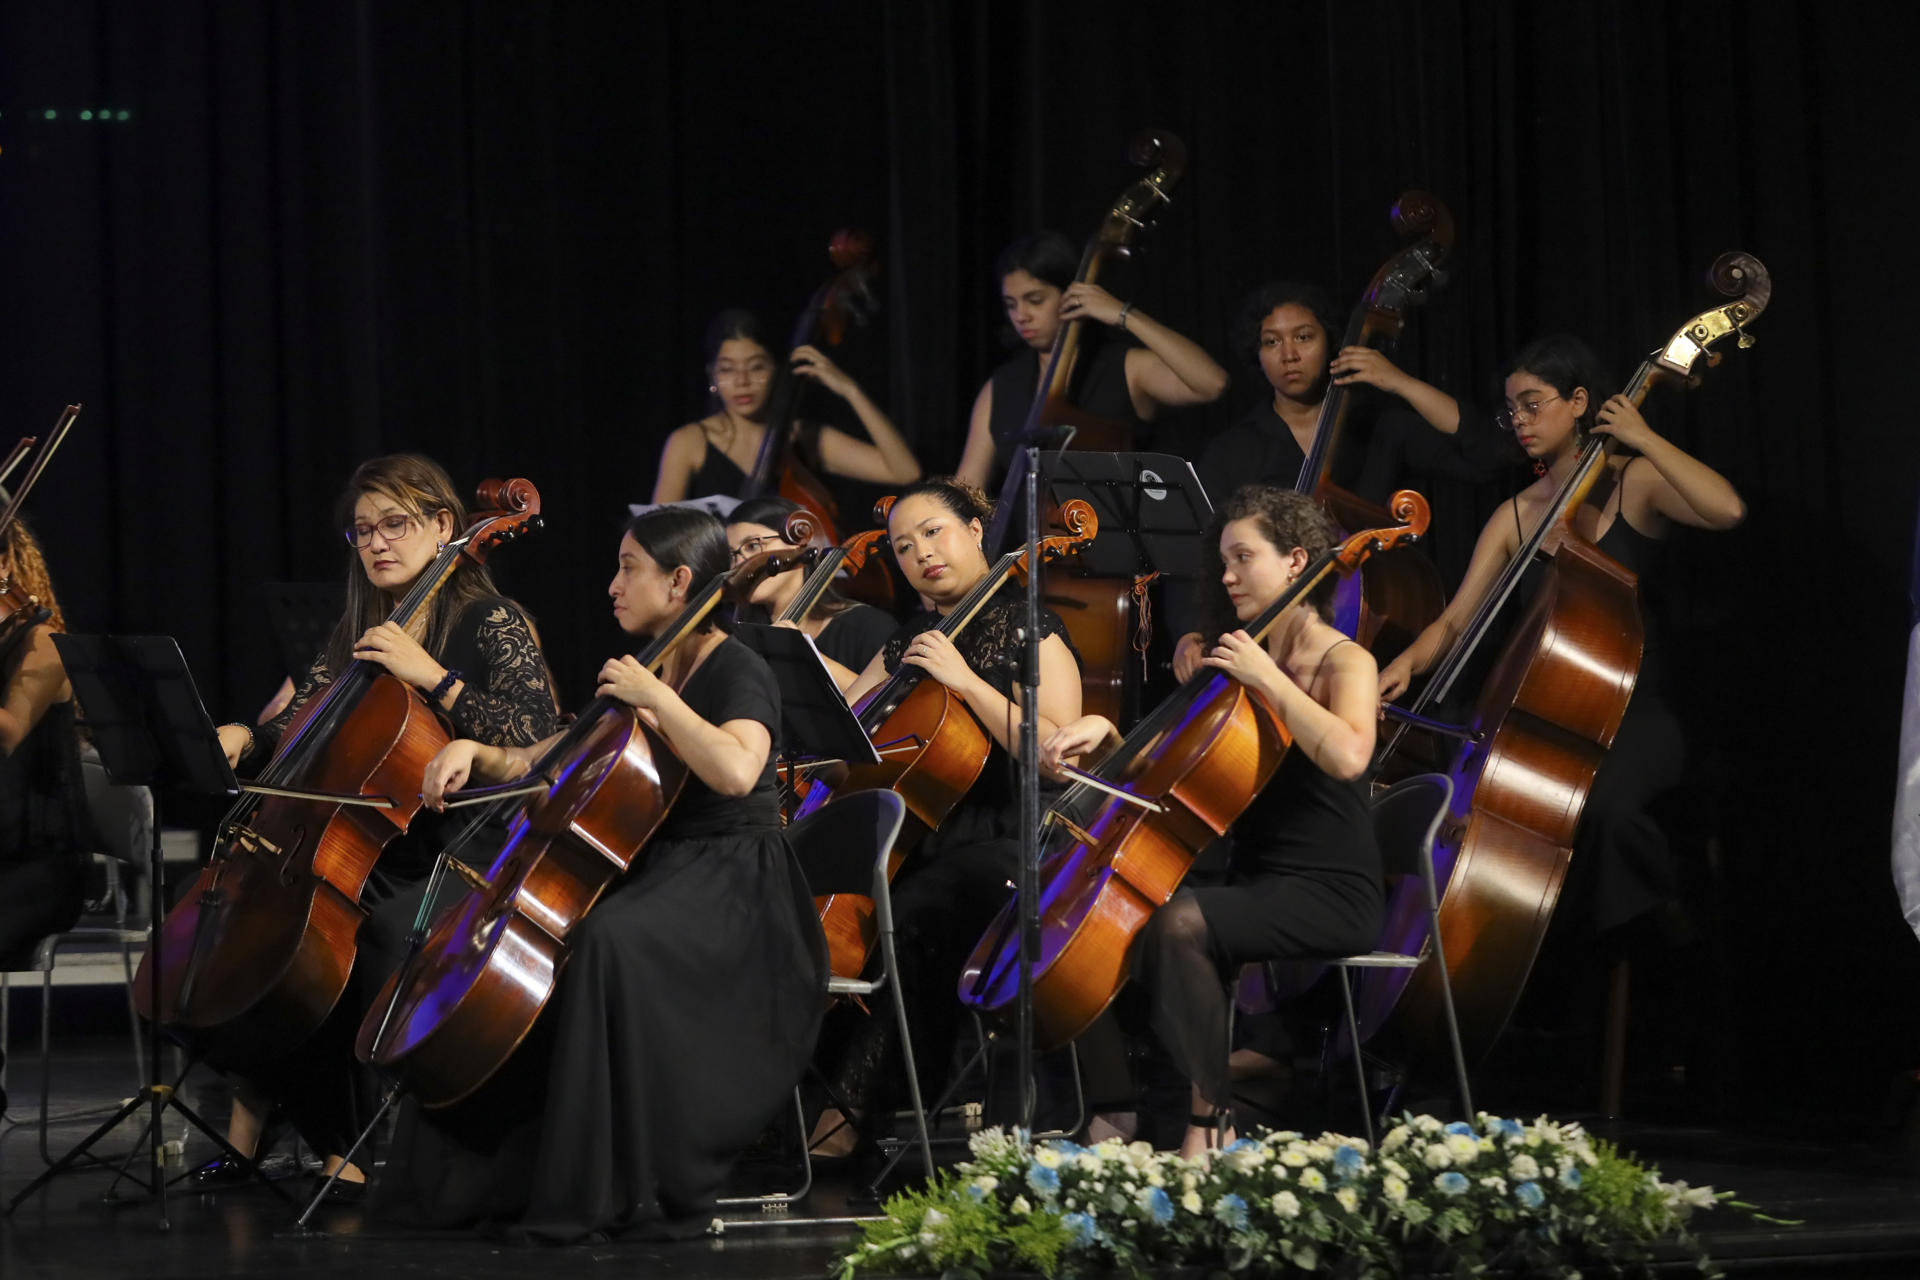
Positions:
{"x": 1201, "y": 1139}
{"x": 834, "y": 1135}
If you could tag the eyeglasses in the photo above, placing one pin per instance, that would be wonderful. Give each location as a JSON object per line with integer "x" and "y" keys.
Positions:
{"x": 392, "y": 528}
{"x": 1507, "y": 418}
{"x": 758, "y": 371}
{"x": 752, "y": 547}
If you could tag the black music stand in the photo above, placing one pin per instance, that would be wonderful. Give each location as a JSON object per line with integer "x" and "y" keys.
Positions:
{"x": 151, "y": 729}
{"x": 303, "y": 615}
{"x": 815, "y": 720}
{"x": 1150, "y": 506}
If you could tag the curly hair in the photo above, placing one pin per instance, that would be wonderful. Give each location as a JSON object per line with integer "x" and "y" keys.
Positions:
{"x": 29, "y": 570}
{"x": 1270, "y": 297}
{"x": 1287, "y": 519}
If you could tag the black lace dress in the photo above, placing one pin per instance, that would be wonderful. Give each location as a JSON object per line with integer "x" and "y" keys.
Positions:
{"x": 950, "y": 887}
{"x": 507, "y": 700}
{"x": 43, "y": 828}
{"x": 689, "y": 1004}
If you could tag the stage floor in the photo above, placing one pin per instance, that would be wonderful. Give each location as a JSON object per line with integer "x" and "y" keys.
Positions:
{"x": 1860, "y": 1205}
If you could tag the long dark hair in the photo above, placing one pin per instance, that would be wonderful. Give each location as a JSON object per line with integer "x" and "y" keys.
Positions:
{"x": 690, "y": 536}
{"x": 1566, "y": 364}
{"x": 421, "y": 487}
{"x": 1286, "y": 518}
{"x": 772, "y": 512}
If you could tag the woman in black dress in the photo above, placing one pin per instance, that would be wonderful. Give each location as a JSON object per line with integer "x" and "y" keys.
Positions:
{"x": 42, "y": 800}
{"x": 474, "y": 655}
{"x": 692, "y": 991}
{"x": 1622, "y": 867}
{"x": 1115, "y": 380}
{"x": 956, "y": 880}
{"x": 846, "y": 632}
{"x": 714, "y": 455}
{"x": 1305, "y": 876}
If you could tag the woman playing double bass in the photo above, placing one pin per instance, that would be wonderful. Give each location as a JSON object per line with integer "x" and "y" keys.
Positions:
{"x": 1554, "y": 399}
{"x": 691, "y": 994}
{"x": 956, "y": 879}
{"x": 715, "y": 454}
{"x": 1305, "y": 875}
{"x": 475, "y": 656}
{"x": 42, "y": 798}
{"x": 1116, "y": 380}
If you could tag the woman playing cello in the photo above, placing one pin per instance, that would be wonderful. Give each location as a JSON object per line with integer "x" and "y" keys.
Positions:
{"x": 691, "y": 995}
{"x": 1621, "y": 865}
{"x": 42, "y": 798}
{"x": 846, "y": 632}
{"x": 1305, "y": 875}
{"x": 1117, "y": 381}
{"x": 473, "y": 653}
{"x": 715, "y": 454}
{"x": 954, "y": 882}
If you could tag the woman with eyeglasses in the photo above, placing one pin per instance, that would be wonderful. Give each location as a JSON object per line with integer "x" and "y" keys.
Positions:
{"x": 474, "y": 655}
{"x": 846, "y": 632}
{"x": 1555, "y": 399}
{"x": 715, "y": 454}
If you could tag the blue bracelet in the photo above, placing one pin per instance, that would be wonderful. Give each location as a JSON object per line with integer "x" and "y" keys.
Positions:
{"x": 446, "y": 683}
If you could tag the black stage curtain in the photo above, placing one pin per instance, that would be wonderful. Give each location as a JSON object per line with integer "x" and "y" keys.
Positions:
{"x": 493, "y": 231}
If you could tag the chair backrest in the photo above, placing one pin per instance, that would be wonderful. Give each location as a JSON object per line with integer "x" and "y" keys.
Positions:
{"x": 1406, "y": 816}
{"x": 841, "y": 844}
{"x": 122, "y": 816}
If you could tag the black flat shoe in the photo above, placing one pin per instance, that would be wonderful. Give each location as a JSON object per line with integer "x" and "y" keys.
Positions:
{"x": 221, "y": 1171}
{"x": 342, "y": 1191}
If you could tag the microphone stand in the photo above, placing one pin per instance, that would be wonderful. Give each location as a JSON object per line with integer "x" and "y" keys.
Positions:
{"x": 1027, "y": 883}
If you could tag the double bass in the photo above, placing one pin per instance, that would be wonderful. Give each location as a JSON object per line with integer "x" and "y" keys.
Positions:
{"x": 255, "y": 956}
{"x": 1545, "y": 718}
{"x": 931, "y": 747}
{"x": 1099, "y": 612}
{"x": 1119, "y": 841}
{"x": 455, "y": 1012}
{"x": 1396, "y": 593}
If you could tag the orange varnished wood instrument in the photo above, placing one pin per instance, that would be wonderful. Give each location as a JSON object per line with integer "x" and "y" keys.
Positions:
{"x": 1116, "y": 851}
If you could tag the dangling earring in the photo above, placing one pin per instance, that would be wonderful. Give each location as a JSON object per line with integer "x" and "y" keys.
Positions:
{"x": 1539, "y": 467}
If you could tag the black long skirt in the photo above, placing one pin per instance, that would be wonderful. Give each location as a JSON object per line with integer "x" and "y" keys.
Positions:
{"x": 685, "y": 1015}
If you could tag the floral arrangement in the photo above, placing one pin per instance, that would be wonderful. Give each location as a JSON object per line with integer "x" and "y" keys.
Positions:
{"x": 1541, "y": 1197}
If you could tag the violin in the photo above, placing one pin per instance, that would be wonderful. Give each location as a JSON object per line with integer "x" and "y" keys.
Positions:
{"x": 1099, "y": 612}
{"x": 1397, "y": 594}
{"x": 1547, "y": 714}
{"x": 255, "y": 957}
{"x": 848, "y": 296}
{"x": 1117, "y": 843}
{"x": 931, "y": 747}
{"x": 455, "y": 1012}
{"x": 20, "y": 610}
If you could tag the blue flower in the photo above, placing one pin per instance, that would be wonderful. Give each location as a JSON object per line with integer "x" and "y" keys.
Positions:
{"x": 1462, "y": 1128}
{"x": 1066, "y": 1148}
{"x": 1510, "y": 1128}
{"x": 1347, "y": 1161}
{"x": 1232, "y": 1210}
{"x": 978, "y": 1193}
{"x": 1043, "y": 1180}
{"x": 1454, "y": 1183}
{"x": 1530, "y": 1195}
{"x": 1159, "y": 1205}
{"x": 1571, "y": 1178}
{"x": 1081, "y": 1228}
{"x": 1238, "y": 1144}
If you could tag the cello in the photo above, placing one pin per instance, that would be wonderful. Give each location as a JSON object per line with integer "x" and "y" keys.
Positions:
{"x": 1396, "y": 593}
{"x": 1119, "y": 841}
{"x": 257, "y": 954}
{"x": 456, "y": 1010}
{"x": 931, "y": 747}
{"x": 1099, "y": 612}
{"x": 1544, "y": 720}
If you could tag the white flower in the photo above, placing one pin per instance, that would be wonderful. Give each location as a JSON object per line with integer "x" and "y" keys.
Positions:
{"x": 1427, "y": 1124}
{"x": 1154, "y": 1179}
{"x": 1349, "y": 1198}
{"x": 1294, "y": 1157}
{"x": 934, "y": 1218}
{"x": 1523, "y": 1168}
{"x": 1020, "y": 1205}
{"x": 1438, "y": 1157}
{"x": 1116, "y": 1203}
{"x": 1286, "y": 1204}
{"x": 1395, "y": 1189}
{"x": 1395, "y": 1168}
{"x": 1088, "y": 1163}
{"x": 1246, "y": 1159}
{"x": 1313, "y": 1180}
{"x": 1463, "y": 1149}
{"x": 1048, "y": 1158}
{"x": 928, "y": 1240}
{"x": 1190, "y": 1202}
{"x": 1495, "y": 1183}
{"x": 1320, "y": 1151}
{"x": 1396, "y": 1140}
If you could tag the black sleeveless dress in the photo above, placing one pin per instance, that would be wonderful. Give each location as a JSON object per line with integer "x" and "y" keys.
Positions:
{"x": 690, "y": 1002}
{"x": 43, "y": 829}
{"x": 716, "y": 474}
{"x": 1100, "y": 388}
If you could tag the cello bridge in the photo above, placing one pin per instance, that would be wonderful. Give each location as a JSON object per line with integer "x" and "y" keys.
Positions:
{"x": 247, "y": 840}
{"x": 1074, "y": 829}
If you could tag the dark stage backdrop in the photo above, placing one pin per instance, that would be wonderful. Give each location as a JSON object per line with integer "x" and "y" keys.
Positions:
{"x": 304, "y": 234}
